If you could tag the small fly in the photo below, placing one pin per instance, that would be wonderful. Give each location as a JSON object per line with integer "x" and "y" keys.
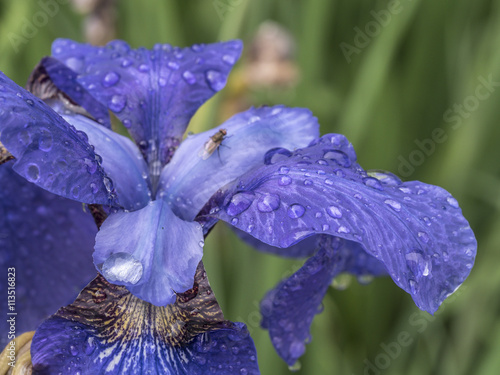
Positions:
{"x": 212, "y": 144}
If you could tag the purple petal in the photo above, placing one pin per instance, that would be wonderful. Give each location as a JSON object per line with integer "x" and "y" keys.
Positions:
{"x": 48, "y": 240}
{"x": 154, "y": 92}
{"x": 416, "y": 230}
{"x": 121, "y": 159}
{"x": 288, "y": 310}
{"x": 109, "y": 331}
{"x": 188, "y": 181}
{"x": 50, "y": 78}
{"x": 151, "y": 251}
{"x": 49, "y": 152}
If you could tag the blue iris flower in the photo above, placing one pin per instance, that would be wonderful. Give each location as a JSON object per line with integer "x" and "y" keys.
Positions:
{"x": 283, "y": 188}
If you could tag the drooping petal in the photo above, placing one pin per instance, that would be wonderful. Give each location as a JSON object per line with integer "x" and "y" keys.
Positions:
{"x": 46, "y": 244}
{"x": 51, "y": 79}
{"x": 189, "y": 181}
{"x": 151, "y": 251}
{"x": 288, "y": 310}
{"x": 154, "y": 92}
{"x": 121, "y": 159}
{"x": 416, "y": 230}
{"x": 109, "y": 331}
{"x": 48, "y": 151}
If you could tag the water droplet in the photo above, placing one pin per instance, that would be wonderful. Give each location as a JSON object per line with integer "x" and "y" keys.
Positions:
{"x": 297, "y": 348}
{"x": 24, "y": 137}
{"x": 91, "y": 165}
{"x": 122, "y": 267}
{"x": 189, "y": 77}
{"x": 295, "y": 211}
{"x": 268, "y": 203}
{"x": 325, "y": 227}
{"x": 334, "y": 212}
{"x": 30, "y": 102}
{"x": 215, "y": 79}
{"x": 73, "y": 350}
{"x": 373, "y": 183}
{"x": 45, "y": 142}
{"x": 234, "y": 221}
{"x": 201, "y": 243}
{"x": 239, "y": 203}
{"x": 127, "y": 123}
{"x": 33, "y": 172}
{"x": 110, "y": 79}
{"x": 284, "y": 170}
{"x": 162, "y": 81}
{"x": 308, "y": 183}
{"x": 284, "y": 180}
{"x": 452, "y": 202}
{"x": 75, "y": 192}
{"x": 126, "y": 63}
{"x": 423, "y": 236}
{"x": 418, "y": 263}
{"x": 117, "y": 103}
{"x": 413, "y": 286}
{"x": 108, "y": 184}
{"x": 229, "y": 59}
{"x": 396, "y": 206}
{"x": 329, "y": 182}
{"x": 173, "y": 65}
{"x": 343, "y": 229}
{"x": 243, "y": 371}
{"x": 144, "y": 68}
{"x": 339, "y": 157}
{"x": 322, "y": 162}
{"x": 387, "y": 178}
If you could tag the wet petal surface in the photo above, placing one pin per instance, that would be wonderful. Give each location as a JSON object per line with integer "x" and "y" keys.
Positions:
{"x": 49, "y": 152}
{"x": 416, "y": 230}
{"x": 151, "y": 251}
{"x": 48, "y": 240}
{"x": 121, "y": 159}
{"x": 153, "y": 92}
{"x": 190, "y": 180}
{"x": 109, "y": 331}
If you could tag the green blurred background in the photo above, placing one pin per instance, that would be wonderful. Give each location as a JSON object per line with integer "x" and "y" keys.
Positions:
{"x": 385, "y": 74}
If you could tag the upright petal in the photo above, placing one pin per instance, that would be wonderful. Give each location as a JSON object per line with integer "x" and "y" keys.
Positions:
{"x": 46, "y": 244}
{"x": 154, "y": 92}
{"x": 151, "y": 251}
{"x": 51, "y": 79}
{"x": 109, "y": 331}
{"x": 416, "y": 230}
{"x": 190, "y": 180}
{"x": 48, "y": 151}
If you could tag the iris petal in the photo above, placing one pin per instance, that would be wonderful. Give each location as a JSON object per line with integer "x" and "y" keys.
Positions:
{"x": 48, "y": 240}
{"x": 188, "y": 181}
{"x": 50, "y": 77}
{"x": 153, "y": 92}
{"x": 151, "y": 251}
{"x": 121, "y": 160}
{"x": 109, "y": 331}
{"x": 416, "y": 230}
{"x": 50, "y": 152}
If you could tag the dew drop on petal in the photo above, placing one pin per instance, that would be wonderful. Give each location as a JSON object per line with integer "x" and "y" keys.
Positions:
{"x": 117, "y": 103}
{"x": 396, "y": 206}
{"x": 239, "y": 203}
{"x": 295, "y": 211}
{"x": 452, "y": 202}
{"x": 334, "y": 212}
{"x": 284, "y": 180}
{"x": 122, "y": 267}
{"x": 229, "y": 59}
{"x": 268, "y": 203}
{"x": 189, "y": 77}
{"x": 45, "y": 143}
{"x": 33, "y": 173}
{"x": 215, "y": 79}
{"x": 110, "y": 79}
